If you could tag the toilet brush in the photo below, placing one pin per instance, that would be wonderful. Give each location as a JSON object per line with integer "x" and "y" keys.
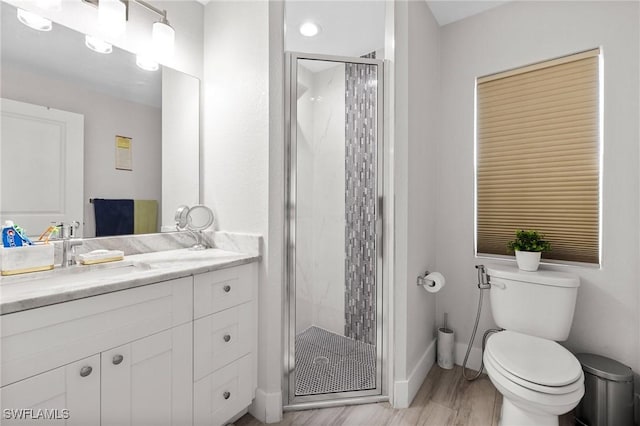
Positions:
{"x": 445, "y": 346}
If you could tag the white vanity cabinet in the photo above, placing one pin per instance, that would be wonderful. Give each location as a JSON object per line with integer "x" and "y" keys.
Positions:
{"x": 74, "y": 387}
{"x": 46, "y": 353}
{"x": 148, "y": 382}
{"x": 174, "y": 353}
{"x": 225, "y": 343}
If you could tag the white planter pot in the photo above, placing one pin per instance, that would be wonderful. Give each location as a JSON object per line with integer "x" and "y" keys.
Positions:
{"x": 528, "y": 260}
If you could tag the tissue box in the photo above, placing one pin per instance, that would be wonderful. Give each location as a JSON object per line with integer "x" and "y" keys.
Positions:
{"x": 20, "y": 260}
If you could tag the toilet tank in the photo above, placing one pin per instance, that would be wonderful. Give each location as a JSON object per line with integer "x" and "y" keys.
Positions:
{"x": 538, "y": 303}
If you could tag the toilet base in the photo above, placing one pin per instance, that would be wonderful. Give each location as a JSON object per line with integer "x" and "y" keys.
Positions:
{"x": 512, "y": 415}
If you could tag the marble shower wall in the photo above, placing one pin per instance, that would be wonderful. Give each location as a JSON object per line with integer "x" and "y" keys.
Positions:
{"x": 320, "y": 204}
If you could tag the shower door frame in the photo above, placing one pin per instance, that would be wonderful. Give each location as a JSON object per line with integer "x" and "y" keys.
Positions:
{"x": 290, "y": 400}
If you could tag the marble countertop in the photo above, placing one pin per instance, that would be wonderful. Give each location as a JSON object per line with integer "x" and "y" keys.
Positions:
{"x": 28, "y": 291}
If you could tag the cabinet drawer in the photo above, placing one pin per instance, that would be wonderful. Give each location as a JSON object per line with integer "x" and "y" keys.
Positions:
{"x": 223, "y": 394}
{"x": 223, "y": 289}
{"x": 41, "y": 339}
{"x": 222, "y": 338}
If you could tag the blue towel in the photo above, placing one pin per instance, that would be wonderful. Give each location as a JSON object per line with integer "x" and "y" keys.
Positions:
{"x": 113, "y": 217}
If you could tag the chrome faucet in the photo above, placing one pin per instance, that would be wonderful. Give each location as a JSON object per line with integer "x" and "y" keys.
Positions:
{"x": 66, "y": 233}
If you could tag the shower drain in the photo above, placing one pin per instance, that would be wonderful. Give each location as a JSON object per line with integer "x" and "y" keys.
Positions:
{"x": 321, "y": 360}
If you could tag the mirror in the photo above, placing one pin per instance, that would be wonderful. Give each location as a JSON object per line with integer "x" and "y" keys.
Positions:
{"x": 78, "y": 125}
{"x": 199, "y": 218}
{"x": 195, "y": 220}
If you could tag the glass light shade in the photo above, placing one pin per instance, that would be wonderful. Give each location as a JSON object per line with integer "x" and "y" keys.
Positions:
{"x": 97, "y": 45}
{"x": 163, "y": 38}
{"x": 49, "y": 4}
{"x": 34, "y": 21}
{"x": 146, "y": 63}
{"x": 112, "y": 17}
{"x": 309, "y": 29}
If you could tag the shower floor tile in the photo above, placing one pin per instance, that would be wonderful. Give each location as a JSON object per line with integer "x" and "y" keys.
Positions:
{"x": 327, "y": 362}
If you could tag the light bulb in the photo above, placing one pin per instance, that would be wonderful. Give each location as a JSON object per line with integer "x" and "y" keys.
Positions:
{"x": 34, "y": 21}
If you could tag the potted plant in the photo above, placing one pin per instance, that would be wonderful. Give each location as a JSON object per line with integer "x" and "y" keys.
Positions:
{"x": 528, "y": 247}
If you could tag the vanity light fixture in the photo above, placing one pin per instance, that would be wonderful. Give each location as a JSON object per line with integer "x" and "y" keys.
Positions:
{"x": 112, "y": 17}
{"x": 309, "y": 29}
{"x": 49, "y": 4}
{"x": 163, "y": 39}
{"x": 34, "y": 21}
{"x": 97, "y": 45}
{"x": 163, "y": 36}
{"x": 146, "y": 63}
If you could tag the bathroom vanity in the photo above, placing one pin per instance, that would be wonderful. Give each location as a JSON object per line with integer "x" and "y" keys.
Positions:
{"x": 164, "y": 338}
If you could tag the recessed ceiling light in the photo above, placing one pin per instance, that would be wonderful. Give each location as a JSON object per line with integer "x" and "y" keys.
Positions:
{"x": 34, "y": 21}
{"x": 309, "y": 29}
{"x": 97, "y": 45}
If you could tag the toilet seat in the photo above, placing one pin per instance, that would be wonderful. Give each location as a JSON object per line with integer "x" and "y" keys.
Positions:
{"x": 538, "y": 364}
{"x": 532, "y": 400}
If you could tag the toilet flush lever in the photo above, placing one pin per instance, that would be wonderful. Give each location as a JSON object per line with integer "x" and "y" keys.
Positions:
{"x": 483, "y": 278}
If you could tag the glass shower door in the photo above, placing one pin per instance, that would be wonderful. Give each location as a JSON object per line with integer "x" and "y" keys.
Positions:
{"x": 334, "y": 228}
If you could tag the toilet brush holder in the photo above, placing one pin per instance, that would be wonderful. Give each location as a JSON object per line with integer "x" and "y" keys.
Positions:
{"x": 445, "y": 348}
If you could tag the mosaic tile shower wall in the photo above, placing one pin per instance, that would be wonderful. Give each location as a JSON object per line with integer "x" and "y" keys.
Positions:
{"x": 360, "y": 201}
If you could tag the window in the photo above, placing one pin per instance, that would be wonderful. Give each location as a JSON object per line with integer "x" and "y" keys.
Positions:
{"x": 538, "y": 156}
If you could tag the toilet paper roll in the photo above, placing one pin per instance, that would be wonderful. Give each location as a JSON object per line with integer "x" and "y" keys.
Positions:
{"x": 436, "y": 279}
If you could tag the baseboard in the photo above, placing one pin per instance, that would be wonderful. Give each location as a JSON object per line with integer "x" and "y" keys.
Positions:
{"x": 475, "y": 356}
{"x": 267, "y": 407}
{"x": 405, "y": 390}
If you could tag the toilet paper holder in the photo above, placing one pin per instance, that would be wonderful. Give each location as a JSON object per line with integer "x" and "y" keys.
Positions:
{"x": 422, "y": 280}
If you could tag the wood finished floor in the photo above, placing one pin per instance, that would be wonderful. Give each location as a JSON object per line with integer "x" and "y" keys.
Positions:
{"x": 444, "y": 399}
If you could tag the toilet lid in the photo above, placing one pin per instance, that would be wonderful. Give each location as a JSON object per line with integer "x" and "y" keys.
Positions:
{"x": 536, "y": 360}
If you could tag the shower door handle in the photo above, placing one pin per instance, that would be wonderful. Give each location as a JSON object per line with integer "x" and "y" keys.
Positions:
{"x": 379, "y": 226}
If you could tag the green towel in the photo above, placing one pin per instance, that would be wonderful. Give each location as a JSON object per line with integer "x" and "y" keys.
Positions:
{"x": 145, "y": 216}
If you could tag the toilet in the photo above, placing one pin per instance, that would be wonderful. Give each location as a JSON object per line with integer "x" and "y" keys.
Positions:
{"x": 537, "y": 377}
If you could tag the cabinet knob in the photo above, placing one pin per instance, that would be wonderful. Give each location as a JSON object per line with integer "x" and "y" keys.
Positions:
{"x": 85, "y": 371}
{"x": 227, "y": 288}
{"x": 227, "y": 337}
{"x": 117, "y": 359}
{"x": 226, "y": 395}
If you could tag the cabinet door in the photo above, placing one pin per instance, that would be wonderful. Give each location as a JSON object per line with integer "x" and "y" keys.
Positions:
{"x": 68, "y": 395}
{"x": 148, "y": 381}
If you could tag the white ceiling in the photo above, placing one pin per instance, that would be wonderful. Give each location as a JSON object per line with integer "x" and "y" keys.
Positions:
{"x": 61, "y": 53}
{"x": 349, "y": 28}
{"x": 355, "y": 28}
{"x": 447, "y": 11}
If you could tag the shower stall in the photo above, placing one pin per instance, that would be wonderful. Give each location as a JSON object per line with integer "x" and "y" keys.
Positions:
{"x": 334, "y": 306}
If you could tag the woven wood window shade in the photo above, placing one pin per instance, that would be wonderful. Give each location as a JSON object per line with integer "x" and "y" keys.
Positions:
{"x": 538, "y": 156}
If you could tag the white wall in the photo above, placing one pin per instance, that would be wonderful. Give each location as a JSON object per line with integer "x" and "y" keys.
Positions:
{"x": 235, "y": 157}
{"x": 416, "y": 136}
{"x": 606, "y": 319}
{"x": 185, "y": 17}
{"x": 320, "y": 204}
{"x": 104, "y": 118}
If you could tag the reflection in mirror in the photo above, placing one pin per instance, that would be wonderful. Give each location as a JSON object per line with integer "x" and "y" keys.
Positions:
{"x": 195, "y": 220}
{"x": 54, "y": 87}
